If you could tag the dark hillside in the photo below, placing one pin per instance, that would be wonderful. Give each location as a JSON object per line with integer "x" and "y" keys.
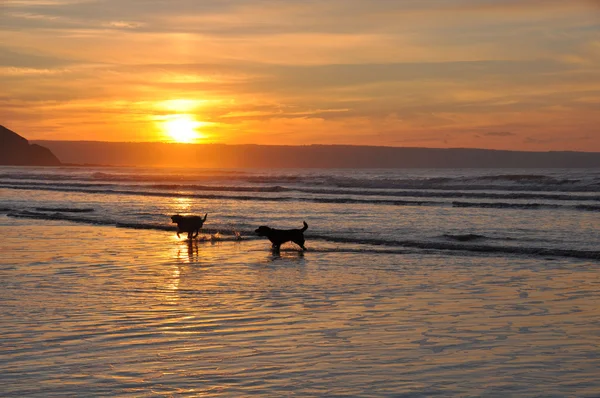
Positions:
{"x": 16, "y": 151}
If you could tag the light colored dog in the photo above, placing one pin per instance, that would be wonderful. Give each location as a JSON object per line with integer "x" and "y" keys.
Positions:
{"x": 189, "y": 224}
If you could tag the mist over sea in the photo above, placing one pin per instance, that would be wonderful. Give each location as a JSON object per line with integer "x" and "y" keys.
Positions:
{"x": 416, "y": 282}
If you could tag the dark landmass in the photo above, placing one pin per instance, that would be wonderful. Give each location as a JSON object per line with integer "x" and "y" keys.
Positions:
{"x": 88, "y": 165}
{"x": 317, "y": 156}
{"x": 16, "y": 151}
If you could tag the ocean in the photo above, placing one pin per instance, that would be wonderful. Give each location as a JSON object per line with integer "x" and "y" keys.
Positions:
{"x": 416, "y": 282}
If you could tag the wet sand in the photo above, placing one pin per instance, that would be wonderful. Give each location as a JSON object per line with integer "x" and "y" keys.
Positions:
{"x": 90, "y": 310}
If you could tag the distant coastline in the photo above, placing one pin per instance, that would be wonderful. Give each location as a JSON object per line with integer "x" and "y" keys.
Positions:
{"x": 89, "y": 165}
{"x": 107, "y": 154}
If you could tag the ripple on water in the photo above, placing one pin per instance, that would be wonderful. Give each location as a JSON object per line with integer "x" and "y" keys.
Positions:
{"x": 109, "y": 314}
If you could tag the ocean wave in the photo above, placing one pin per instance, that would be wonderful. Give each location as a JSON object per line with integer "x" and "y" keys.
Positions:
{"x": 65, "y": 209}
{"x": 303, "y": 179}
{"x": 468, "y": 186}
{"x": 525, "y": 206}
{"x": 38, "y": 176}
{"x": 319, "y": 191}
{"x": 83, "y": 174}
{"x": 206, "y": 176}
{"x": 466, "y": 247}
{"x": 226, "y": 197}
{"x": 212, "y": 188}
{"x": 502, "y": 205}
{"x": 325, "y": 200}
{"x": 462, "y": 242}
{"x": 505, "y": 182}
{"x": 588, "y": 207}
{"x": 57, "y": 184}
{"x": 465, "y": 237}
{"x": 536, "y": 178}
{"x": 58, "y": 216}
{"x": 456, "y": 194}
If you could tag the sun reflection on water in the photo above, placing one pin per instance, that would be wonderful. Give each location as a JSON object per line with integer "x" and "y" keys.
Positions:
{"x": 173, "y": 279}
{"x": 191, "y": 252}
{"x": 181, "y": 205}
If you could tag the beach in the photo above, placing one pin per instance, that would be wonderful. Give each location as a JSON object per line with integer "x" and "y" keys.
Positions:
{"x": 89, "y": 310}
{"x": 300, "y": 198}
{"x": 415, "y": 283}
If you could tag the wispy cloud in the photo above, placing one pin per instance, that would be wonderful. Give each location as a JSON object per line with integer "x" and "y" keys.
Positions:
{"x": 499, "y": 134}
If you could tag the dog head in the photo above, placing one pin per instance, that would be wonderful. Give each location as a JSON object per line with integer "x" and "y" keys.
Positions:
{"x": 263, "y": 231}
{"x": 176, "y": 218}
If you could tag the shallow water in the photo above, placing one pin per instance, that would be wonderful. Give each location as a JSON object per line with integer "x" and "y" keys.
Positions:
{"x": 98, "y": 310}
{"x": 512, "y": 212}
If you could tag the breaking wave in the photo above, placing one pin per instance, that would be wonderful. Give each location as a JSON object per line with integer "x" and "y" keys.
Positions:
{"x": 465, "y": 237}
{"x": 305, "y": 179}
{"x": 458, "y": 243}
{"x": 314, "y": 199}
{"x": 319, "y": 191}
{"x": 65, "y": 209}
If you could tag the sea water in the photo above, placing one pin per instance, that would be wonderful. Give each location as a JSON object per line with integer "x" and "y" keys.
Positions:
{"x": 415, "y": 283}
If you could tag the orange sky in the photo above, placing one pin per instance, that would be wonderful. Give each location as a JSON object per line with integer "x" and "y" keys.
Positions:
{"x": 501, "y": 74}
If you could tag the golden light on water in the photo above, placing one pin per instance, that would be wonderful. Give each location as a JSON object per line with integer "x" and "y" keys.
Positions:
{"x": 181, "y": 205}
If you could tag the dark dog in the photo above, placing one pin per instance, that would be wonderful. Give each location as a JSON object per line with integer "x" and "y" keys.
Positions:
{"x": 280, "y": 236}
{"x": 189, "y": 224}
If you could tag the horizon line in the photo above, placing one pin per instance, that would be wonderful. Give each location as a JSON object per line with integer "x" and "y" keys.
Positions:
{"x": 310, "y": 145}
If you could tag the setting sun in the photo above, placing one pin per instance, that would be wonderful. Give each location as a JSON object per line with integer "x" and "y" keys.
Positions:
{"x": 182, "y": 129}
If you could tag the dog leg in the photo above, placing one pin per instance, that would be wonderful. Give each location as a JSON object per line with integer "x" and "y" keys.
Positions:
{"x": 300, "y": 242}
{"x": 196, "y": 232}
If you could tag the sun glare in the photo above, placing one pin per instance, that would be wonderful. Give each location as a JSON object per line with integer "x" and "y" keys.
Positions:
{"x": 182, "y": 129}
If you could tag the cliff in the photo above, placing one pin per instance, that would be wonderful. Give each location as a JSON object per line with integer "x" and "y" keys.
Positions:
{"x": 16, "y": 151}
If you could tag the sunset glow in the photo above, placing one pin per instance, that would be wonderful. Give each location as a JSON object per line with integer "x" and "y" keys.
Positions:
{"x": 182, "y": 129}
{"x": 521, "y": 75}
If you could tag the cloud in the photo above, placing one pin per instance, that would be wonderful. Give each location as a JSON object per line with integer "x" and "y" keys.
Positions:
{"x": 124, "y": 25}
{"x": 538, "y": 140}
{"x": 499, "y": 134}
{"x": 21, "y": 58}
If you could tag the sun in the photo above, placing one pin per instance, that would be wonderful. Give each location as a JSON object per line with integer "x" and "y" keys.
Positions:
{"x": 182, "y": 129}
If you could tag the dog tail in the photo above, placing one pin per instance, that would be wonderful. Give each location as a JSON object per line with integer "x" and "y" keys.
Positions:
{"x": 305, "y": 226}
{"x": 206, "y": 215}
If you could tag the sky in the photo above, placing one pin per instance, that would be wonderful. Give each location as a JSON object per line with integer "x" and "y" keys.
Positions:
{"x": 498, "y": 74}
